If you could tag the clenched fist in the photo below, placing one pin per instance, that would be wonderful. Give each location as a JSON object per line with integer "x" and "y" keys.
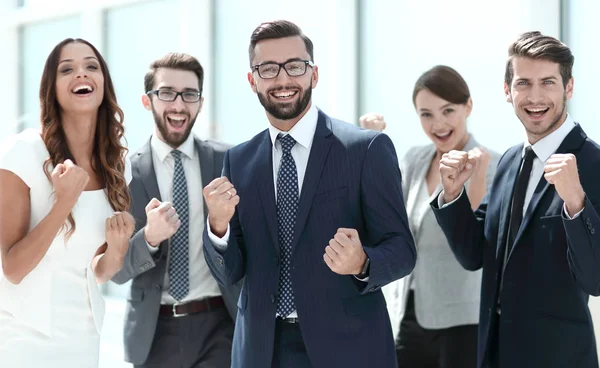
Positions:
{"x": 561, "y": 171}
{"x": 221, "y": 199}
{"x": 119, "y": 229}
{"x": 345, "y": 255}
{"x": 372, "y": 121}
{"x": 69, "y": 180}
{"x": 162, "y": 222}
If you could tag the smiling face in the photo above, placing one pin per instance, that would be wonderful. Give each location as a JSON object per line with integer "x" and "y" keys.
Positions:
{"x": 174, "y": 120}
{"x": 79, "y": 79}
{"x": 538, "y": 96}
{"x": 284, "y": 98}
{"x": 444, "y": 123}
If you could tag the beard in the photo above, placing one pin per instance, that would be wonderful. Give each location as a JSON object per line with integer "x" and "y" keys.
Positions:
{"x": 285, "y": 111}
{"x": 173, "y": 139}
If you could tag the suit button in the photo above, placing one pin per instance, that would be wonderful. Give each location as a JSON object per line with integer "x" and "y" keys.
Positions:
{"x": 592, "y": 231}
{"x": 272, "y": 297}
{"x": 588, "y": 222}
{"x": 220, "y": 260}
{"x": 157, "y": 287}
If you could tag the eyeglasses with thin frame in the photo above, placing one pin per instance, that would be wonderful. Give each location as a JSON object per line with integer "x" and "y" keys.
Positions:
{"x": 168, "y": 95}
{"x": 293, "y": 68}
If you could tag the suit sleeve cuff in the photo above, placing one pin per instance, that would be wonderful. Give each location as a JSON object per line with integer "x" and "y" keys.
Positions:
{"x": 566, "y": 213}
{"x": 441, "y": 203}
{"x": 219, "y": 243}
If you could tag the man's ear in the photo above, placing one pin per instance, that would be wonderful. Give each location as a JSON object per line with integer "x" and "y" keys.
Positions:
{"x": 146, "y": 102}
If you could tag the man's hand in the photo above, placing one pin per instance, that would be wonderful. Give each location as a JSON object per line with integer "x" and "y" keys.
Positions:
{"x": 561, "y": 171}
{"x": 162, "y": 222}
{"x": 221, "y": 199}
{"x": 372, "y": 121}
{"x": 455, "y": 169}
{"x": 345, "y": 255}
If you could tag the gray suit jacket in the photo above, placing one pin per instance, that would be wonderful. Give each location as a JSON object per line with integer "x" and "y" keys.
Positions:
{"x": 446, "y": 295}
{"x": 148, "y": 270}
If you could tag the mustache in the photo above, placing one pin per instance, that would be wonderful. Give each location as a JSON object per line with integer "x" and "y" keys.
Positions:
{"x": 281, "y": 88}
{"x": 173, "y": 111}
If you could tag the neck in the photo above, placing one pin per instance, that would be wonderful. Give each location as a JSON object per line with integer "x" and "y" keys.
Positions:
{"x": 80, "y": 131}
{"x": 287, "y": 125}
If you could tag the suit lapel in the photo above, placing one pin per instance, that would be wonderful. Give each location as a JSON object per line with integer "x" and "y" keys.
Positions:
{"x": 506, "y": 201}
{"x": 570, "y": 144}
{"x": 316, "y": 161}
{"x": 207, "y": 166}
{"x": 264, "y": 181}
{"x": 145, "y": 171}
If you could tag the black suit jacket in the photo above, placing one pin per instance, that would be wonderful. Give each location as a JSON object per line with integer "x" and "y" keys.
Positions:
{"x": 553, "y": 268}
{"x": 148, "y": 270}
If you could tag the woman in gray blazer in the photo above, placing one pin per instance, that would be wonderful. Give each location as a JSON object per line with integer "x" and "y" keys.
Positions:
{"x": 436, "y": 308}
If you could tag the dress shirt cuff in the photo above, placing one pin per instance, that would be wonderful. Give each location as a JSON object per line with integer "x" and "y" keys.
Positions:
{"x": 219, "y": 243}
{"x": 441, "y": 203}
{"x": 151, "y": 248}
{"x": 566, "y": 213}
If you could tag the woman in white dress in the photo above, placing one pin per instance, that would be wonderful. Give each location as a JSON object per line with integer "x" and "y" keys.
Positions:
{"x": 64, "y": 225}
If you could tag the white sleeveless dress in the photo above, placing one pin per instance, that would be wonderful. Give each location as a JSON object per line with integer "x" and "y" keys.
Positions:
{"x": 54, "y": 316}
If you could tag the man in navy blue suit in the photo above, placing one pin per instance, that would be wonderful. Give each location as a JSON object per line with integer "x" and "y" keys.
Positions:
{"x": 311, "y": 213}
{"x": 535, "y": 234}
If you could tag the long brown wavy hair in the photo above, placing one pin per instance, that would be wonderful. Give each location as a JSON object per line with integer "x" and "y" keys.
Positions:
{"x": 108, "y": 158}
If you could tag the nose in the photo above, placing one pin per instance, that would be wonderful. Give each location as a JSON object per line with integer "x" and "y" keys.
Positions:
{"x": 81, "y": 72}
{"x": 536, "y": 94}
{"x": 178, "y": 103}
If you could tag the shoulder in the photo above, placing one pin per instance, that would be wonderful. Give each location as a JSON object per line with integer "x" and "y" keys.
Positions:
{"x": 216, "y": 146}
{"x": 250, "y": 147}
{"x": 24, "y": 154}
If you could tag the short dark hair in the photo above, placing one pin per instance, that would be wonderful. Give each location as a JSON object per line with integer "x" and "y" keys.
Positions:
{"x": 535, "y": 45}
{"x": 278, "y": 29}
{"x": 178, "y": 61}
{"x": 444, "y": 82}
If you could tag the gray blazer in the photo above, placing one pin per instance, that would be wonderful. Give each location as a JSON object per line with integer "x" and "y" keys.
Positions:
{"x": 446, "y": 295}
{"x": 148, "y": 270}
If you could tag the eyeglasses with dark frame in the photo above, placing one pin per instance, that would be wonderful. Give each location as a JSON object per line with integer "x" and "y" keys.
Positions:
{"x": 168, "y": 95}
{"x": 293, "y": 68}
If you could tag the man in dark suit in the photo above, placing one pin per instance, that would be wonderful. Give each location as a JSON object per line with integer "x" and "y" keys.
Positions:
{"x": 536, "y": 235}
{"x": 316, "y": 223}
{"x": 176, "y": 312}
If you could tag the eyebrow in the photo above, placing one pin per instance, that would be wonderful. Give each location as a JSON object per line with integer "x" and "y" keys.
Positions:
{"x": 85, "y": 58}
{"x": 186, "y": 89}
{"x": 274, "y": 62}
{"x": 543, "y": 78}
{"x": 441, "y": 108}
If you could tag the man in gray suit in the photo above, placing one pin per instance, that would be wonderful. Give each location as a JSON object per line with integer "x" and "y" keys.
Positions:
{"x": 177, "y": 315}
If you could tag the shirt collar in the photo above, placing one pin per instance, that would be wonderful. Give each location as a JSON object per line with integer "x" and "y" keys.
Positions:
{"x": 163, "y": 150}
{"x": 304, "y": 130}
{"x": 545, "y": 147}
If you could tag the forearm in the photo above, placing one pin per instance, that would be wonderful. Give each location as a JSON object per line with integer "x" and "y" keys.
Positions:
{"x": 583, "y": 235}
{"x": 106, "y": 265}
{"x": 476, "y": 190}
{"x": 20, "y": 259}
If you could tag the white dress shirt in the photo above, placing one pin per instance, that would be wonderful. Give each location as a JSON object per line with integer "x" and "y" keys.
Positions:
{"x": 202, "y": 284}
{"x": 543, "y": 149}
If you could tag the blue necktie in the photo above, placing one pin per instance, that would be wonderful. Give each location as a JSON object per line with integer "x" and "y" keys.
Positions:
{"x": 179, "y": 255}
{"x": 287, "y": 208}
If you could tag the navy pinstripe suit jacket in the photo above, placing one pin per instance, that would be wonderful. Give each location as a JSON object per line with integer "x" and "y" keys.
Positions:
{"x": 352, "y": 180}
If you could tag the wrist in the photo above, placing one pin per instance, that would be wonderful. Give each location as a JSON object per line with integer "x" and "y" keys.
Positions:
{"x": 449, "y": 196}
{"x": 218, "y": 229}
{"x": 575, "y": 205}
{"x": 364, "y": 266}
{"x": 149, "y": 240}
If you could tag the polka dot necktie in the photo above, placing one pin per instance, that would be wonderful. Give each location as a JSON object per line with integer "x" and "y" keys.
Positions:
{"x": 287, "y": 208}
{"x": 179, "y": 285}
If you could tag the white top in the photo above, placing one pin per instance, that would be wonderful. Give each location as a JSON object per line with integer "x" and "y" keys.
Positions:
{"x": 202, "y": 284}
{"x": 65, "y": 270}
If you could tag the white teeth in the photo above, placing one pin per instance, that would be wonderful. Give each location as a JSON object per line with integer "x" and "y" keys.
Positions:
{"x": 178, "y": 118}
{"x": 443, "y": 135}
{"x": 82, "y": 87}
{"x": 537, "y": 109}
{"x": 284, "y": 94}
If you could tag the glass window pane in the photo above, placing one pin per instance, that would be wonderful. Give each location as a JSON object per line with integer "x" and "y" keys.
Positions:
{"x": 138, "y": 25}
{"x": 37, "y": 40}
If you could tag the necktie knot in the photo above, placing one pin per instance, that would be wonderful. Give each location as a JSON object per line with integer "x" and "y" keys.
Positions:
{"x": 287, "y": 142}
{"x": 176, "y": 154}
{"x": 529, "y": 154}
